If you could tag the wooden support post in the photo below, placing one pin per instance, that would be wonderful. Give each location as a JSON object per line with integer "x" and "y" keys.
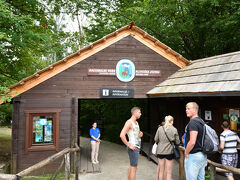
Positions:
{"x": 57, "y": 171}
{"x": 15, "y": 134}
{"x": 150, "y": 147}
{"x": 212, "y": 171}
{"x": 77, "y": 162}
{"x": 67, "y": 166}
{"x": 73, "y": 130}
{"x": 182, "y": 175}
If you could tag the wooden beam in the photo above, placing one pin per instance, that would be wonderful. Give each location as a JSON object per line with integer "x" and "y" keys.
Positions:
{"x": 57, "y": 170}
{"x": 46, "y": 74}
{"x": 158, "y": 49}
{"x": 232, "y": 169}
{"x": 8, "y": 176}
{"x": 46, "y": 161}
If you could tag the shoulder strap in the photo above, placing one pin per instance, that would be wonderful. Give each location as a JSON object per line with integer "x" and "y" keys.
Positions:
{"x": 166, "y": 135}
{"x": 134, "y": 123}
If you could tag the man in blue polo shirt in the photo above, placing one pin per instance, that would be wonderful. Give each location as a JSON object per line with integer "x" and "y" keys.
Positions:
{"x": 95, "y": 142}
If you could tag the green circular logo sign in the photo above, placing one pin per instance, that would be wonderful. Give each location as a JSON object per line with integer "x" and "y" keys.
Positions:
{"x": 234, "y": 118}
{"x": 125, "y": 70}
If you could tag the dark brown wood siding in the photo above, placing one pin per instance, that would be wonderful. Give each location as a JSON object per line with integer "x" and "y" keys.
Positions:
{"x": 175, "y": 106}
{"x": 58, "y": 91}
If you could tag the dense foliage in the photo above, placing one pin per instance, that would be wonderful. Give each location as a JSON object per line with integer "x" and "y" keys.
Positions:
{"x": 194, "y": 28}
{"x": 111, "y": 115}
{"x": 31, "y": 38}
{"x": 33, "y": 33}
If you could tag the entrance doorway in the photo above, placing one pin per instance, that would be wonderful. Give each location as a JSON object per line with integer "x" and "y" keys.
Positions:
{"x": 110, "y": 115}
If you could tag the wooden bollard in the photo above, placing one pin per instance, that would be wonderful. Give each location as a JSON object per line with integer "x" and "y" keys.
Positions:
{"x": 67, "y": 166}
{"x": 181, "y": 166}
{"x": 212, "y": 171}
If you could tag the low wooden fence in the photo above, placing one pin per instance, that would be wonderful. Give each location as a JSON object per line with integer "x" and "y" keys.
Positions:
{"x": 213, "y": 166}
{"x": 66, "y": 160}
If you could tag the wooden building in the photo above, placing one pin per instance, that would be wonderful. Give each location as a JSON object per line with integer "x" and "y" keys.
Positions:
{"x": 214, "y": 83}
{"x": 124, "y": 64}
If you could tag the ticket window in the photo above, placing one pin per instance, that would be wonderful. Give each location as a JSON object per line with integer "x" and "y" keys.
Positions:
{"x": 232, "y": 115}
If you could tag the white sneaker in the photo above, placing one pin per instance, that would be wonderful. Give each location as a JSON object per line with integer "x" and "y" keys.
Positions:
{"x": 94, "y": 162}
{"x": 97, "y": 161}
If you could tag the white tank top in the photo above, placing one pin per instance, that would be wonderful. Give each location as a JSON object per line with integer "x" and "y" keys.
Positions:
{"x": 133, "y": 135}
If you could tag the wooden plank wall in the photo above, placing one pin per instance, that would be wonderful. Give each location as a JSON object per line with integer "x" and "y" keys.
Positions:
{"x": 57, "y": 92}
{"x": 175, "y": 106}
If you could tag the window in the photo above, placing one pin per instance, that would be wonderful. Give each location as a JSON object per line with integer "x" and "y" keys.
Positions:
{"x": 42, "y": 130}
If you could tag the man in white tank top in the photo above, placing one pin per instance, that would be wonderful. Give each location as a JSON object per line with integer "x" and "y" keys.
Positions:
{"x": 131, "y": 128}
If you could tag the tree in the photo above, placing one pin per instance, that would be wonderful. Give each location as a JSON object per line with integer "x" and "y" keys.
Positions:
{"x": 30, "y": 39}
{"x": 194, "y": 28}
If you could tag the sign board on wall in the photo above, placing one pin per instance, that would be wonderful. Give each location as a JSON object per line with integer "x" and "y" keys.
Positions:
{"x": 125, "y": 71}
{"x": 208, "y": 115}
{"x": 112, "y": 72}
{"x": 116, "y": 93}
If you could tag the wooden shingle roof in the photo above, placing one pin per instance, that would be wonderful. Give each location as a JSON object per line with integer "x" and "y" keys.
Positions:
{"x": 218, "y": 75}
{"x": 129, "y": 30}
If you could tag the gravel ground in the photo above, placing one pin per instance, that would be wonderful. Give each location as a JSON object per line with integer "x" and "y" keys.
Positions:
{"x": 114, "y": 164}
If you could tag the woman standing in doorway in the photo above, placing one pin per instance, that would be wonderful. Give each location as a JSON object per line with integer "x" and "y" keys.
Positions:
{"x": 165, "y": 149}
{"x": 95, "y": 142}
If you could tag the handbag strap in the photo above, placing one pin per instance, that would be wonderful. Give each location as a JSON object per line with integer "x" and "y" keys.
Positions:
{"x": 167, "y": 136}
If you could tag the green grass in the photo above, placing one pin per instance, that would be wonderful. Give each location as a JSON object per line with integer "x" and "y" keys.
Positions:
{"x": 60, "y": 176}
{"x": 5, "y": 133}
{"x": 5, "y": 144}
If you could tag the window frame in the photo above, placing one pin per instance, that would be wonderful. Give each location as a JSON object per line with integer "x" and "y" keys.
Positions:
{"x": 29, "y": 146}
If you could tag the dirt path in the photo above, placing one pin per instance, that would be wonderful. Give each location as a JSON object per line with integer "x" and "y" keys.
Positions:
{"x": 114, "y": 164}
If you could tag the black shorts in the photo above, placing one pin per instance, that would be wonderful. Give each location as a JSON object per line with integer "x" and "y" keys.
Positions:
{"x": 166, "y": 156}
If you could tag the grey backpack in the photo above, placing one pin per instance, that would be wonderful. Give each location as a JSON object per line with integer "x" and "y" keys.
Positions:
{"x": 210, "y": 141}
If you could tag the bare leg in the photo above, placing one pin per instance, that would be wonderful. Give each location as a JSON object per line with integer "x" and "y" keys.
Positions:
{"x": 129, "y": 172}
{"x": 161, "y": 162}
{"x": 132, "y": 172}
{"x": 168, "y": 169}
{"x": 157, "y": 172}
{"x": 230, "y": 178}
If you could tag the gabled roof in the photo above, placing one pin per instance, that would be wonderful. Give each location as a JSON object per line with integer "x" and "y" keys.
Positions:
{"x": 95, "y": 47}
{"x": 214, "y": 76}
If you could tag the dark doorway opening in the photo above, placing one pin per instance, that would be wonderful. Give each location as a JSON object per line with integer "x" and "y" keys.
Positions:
{"x": 110, "y": 115}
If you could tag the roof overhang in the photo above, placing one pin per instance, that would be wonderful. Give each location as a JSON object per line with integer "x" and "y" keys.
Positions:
{"x": 129, "y": 30}
{"x": 196, "y": 94}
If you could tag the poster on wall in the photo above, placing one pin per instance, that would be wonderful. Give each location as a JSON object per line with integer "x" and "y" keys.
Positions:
{"x": 48, "y": 132}
{"x": 234, "y": 112}
{"x": 39, "y": 132}
{"x": 208, "y": 115}
{"x": 234, "y": 115}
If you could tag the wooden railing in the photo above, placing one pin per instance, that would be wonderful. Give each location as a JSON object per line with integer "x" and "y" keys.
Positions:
{"x": 66, "y": 160}
{"x": 213, "y": 166}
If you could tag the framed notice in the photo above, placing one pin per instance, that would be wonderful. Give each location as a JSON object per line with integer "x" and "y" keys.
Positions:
{"x": 208, "y": 115}
{"x": 116, "y": 93}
